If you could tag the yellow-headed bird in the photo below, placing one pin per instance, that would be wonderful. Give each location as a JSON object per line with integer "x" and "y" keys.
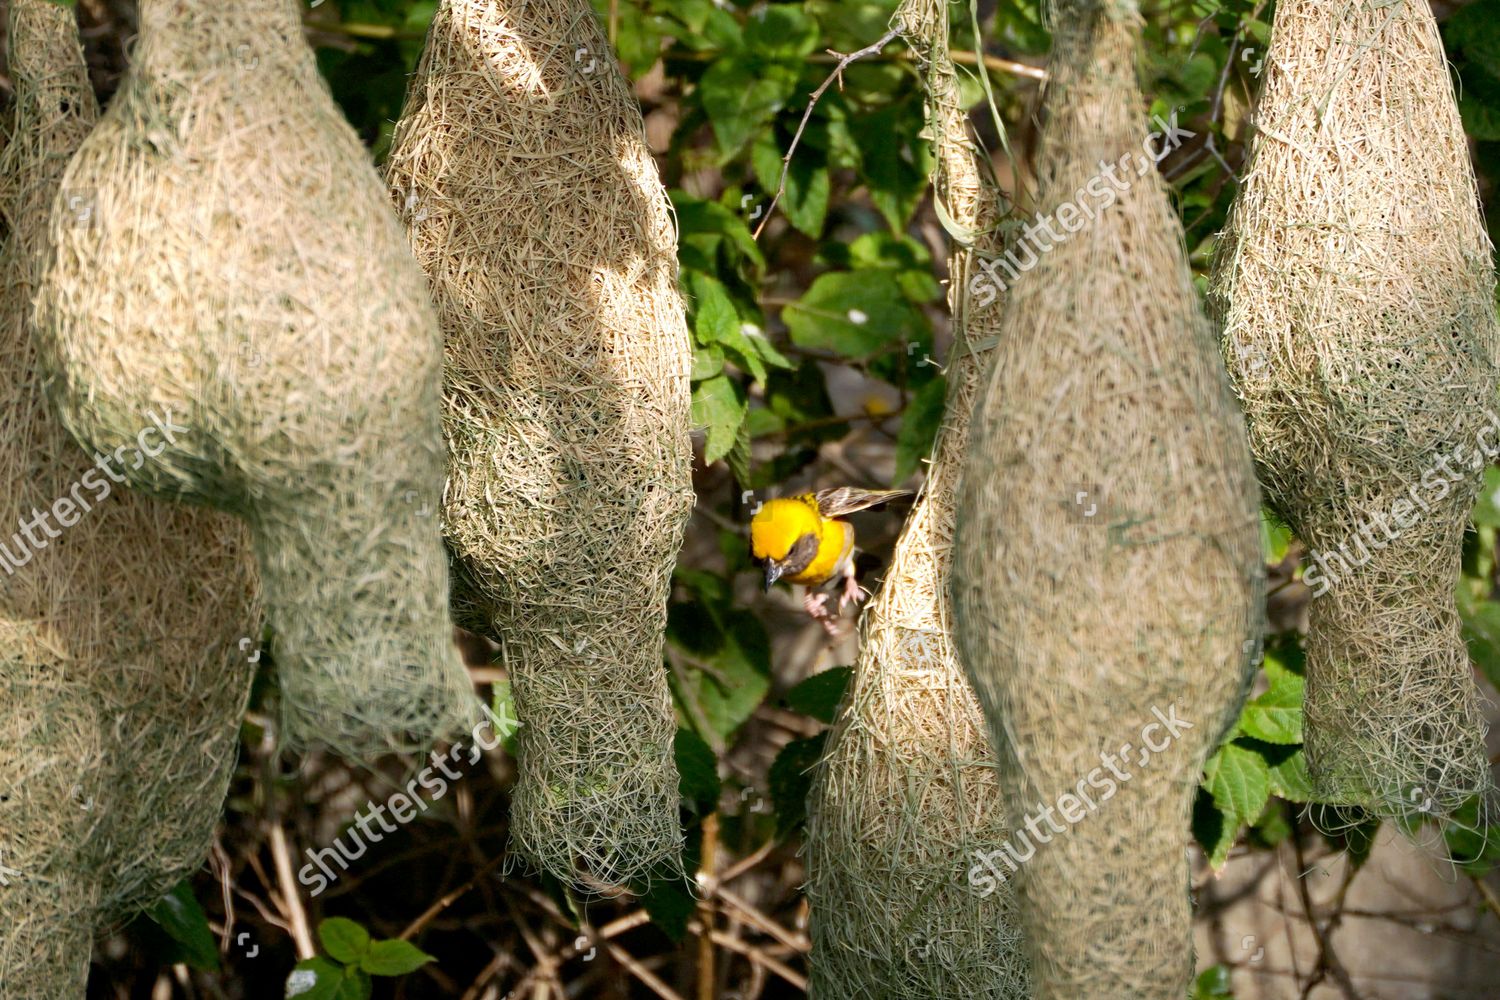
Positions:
{"x": 801, "y": 539}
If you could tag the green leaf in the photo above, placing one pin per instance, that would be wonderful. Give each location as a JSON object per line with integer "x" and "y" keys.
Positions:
{"x": 503, "y": 704}
{"x": 179, "y": 914}
{"x": 805, "y": 201}
{"x": 740, "y": 96}
{"x": 1474, "y": 30}
{"x": 781, "y": 32}
{"x": 853, "y": 314}
{"x": 919, "y": 427}
{"x": 893, "y": 167}
{"x": 719, "y": 407}
{"x": 394, "y": 958}
{"x": 717, "y": 322}
{"x": 1212, "y": 984}
{"x": 1239, "y": 781}
{"x": 1215, "y": 832}
{"x": 734, "y": 671}
{"x": 1276, "y": 715}
{"x": 671, "y": 904}
{"x": 697, "y": 769}
{"x": 1290, "y": 778}
{"x": 707, "y": 362}
{"x": 820, "y": 694}
{"x": 791, "y": 778}
{"x": 1481, "y": 631}
{"x": 321, "y": 979}
{"x": 344, "y": 940}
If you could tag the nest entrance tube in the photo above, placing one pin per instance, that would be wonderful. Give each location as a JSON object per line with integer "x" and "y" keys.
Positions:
{"x": 237, "y": 279}
{"x": 1354, "y": 285}
{"x": 1107, "y": 579}
{"x": 534, "y": 206}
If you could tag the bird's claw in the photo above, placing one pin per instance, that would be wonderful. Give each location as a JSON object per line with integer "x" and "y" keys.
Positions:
{"x": 817, "y": 609}
{"x": 852, "y": 593}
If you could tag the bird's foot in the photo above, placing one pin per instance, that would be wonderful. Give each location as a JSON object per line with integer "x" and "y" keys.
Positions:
{"x": 816, "y": 606}
{"x": 852, "y": 593}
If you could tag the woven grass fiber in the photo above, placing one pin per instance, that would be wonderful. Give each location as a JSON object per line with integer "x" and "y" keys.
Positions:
{"x": 1079, "y": 619}
{"x": 536, "y": 210}
{"x": 225, "y": 254}
{"x": 907, "y": 792}
{"x": 1354, "y": 285}
{"x": 121, "y": 679}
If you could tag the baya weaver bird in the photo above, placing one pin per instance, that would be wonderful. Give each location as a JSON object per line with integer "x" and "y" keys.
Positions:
{"x": 800, "y": 539}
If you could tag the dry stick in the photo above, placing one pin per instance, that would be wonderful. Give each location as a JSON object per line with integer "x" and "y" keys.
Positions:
{"x": 291, "y": 901}
{"x": 706, "y": 876}
{"x": 448, "y": 900}
{"x": 645, "y": 975}
{"x": 756, "y": 955}
{"x": 817, "y": 95}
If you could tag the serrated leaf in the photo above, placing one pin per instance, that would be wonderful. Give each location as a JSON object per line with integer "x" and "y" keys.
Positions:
{"x": 820, "y": 694}
{"x": 179, "y": 914}
{"x": 1239, "y": 781}
{"x": 707, "y": 362}
{"x": 1290, "y": 778}
{"x": 344, "y": 940}
{"x": 719, "y": 408}
{"x": 394, "y": 958}
{"x": 919, "y": 427}
{"x": 1276, "y": 715}
{"x": 791, "y": 778}
{"x": 697, "y": 769}
{"x": 853, "y": 314}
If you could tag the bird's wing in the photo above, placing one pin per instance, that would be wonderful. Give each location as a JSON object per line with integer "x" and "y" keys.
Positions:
{"x": 847, "y": 500}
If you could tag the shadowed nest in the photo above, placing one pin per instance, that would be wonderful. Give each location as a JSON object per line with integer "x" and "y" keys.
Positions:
{"x": 907, "y": 793}
{"x": 1107, "y": 581}
{"x": 227, "y": 266}
{"x": 535, "y": 208}
{"x": 122, "y": 681}
{"x": 1354, "y": 283}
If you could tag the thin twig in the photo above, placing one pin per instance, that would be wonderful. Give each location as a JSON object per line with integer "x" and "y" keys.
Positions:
{"x": 291, "y": 900}
{"x": 448, "y": 900}
{"x": 817, "y": 95}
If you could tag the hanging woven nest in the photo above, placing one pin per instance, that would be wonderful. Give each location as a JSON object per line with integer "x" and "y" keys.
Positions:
{"x": 536, "y": 210}
{"x": 122, "y": 681}
{"x": 1354, "y": 283}
{"x": 907, "y": 794}
{"x": 1108, "y": 580}
{"x": 228, "y": 275}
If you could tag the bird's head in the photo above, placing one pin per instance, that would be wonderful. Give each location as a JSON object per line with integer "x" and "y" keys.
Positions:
{"x": 784, "y": 536}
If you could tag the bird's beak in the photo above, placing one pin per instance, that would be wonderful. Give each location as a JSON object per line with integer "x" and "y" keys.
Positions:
{"x": 773, "y": 573}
